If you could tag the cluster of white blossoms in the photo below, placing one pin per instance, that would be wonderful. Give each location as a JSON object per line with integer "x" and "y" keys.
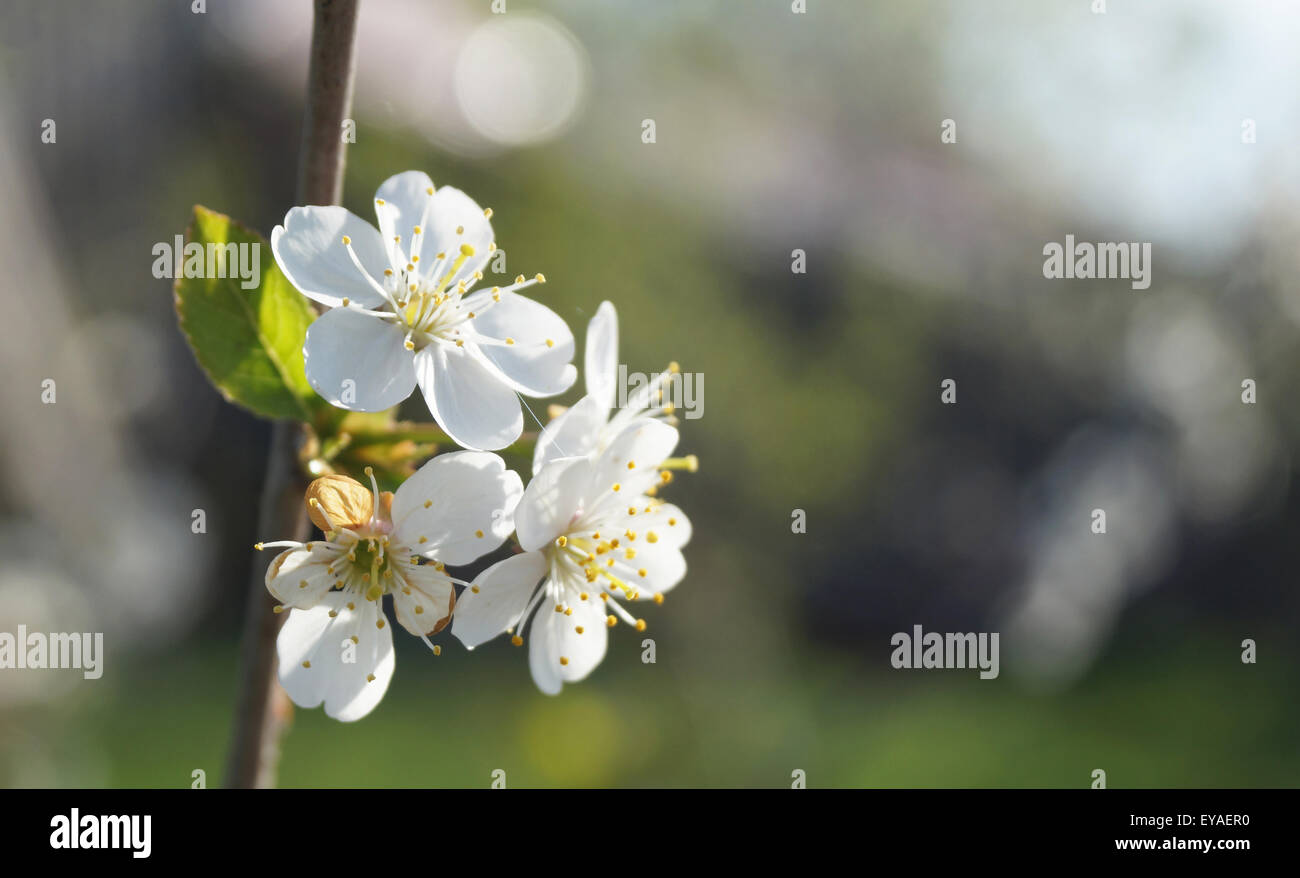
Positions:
{"x": 592, "y": 533}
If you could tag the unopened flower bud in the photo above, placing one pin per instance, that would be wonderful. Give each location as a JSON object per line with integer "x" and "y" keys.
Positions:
{"x": 339, "y": 502}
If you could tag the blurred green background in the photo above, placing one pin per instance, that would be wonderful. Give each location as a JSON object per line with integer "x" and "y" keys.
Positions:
{"x": 775, "y": 132}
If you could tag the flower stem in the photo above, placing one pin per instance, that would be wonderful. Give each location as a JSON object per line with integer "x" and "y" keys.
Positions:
{"x": 263, "y": 711}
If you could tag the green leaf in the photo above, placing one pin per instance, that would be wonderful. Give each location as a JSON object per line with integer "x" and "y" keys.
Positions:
{"x": 248, "y": 341}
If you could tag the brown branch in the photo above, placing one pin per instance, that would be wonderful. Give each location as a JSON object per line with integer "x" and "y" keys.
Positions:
{"x": 263, "y": 711}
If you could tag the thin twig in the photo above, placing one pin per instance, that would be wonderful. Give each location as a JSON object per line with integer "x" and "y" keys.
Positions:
{"x": 264, "y": 711}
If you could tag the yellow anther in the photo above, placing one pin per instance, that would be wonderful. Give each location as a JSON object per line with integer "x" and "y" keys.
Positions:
{"x": 672, "y": 522}
{"x": 478, "y": 533}
{"x": 610, "y": 620}
{"x": 563, "y": 660}
{"x": 428, "y": 190}
{"x": 379, "y": 624}
{"x": 631, "y": 464}
{"x": 487, "y": 212}
{"x": 460, "y": 230}
{"x": 466, "y": 250}
{"x": 658, "y": 599}
{"x": 419, "y": 610}
{"x": 510, "y": 340}
{"x": 617, "y": 486}
{"x": 428, "y": 503}
{"x": 578, "y": 628}
{"x": 540, "y": 278}
{"x": 379, "y": 201}
{"x": 640, "y": 624}
{"x": 517, "y": 640}
{"x": 306, "y": 664}
{"x": 346, "y": 240}
{"x": 370, "y": 678}
{"x": 651, "y": 537}
{"x": 417, "y": 230}
{"x": 277, "y": 609}
{"x": 437, "y": 650}
{"x": 474, "y": 588}
{"x": 641, "y": 572}
{"x": 519, "y": 279}
{"x": 550, "y": 343}
{"x": 583, "y": 596}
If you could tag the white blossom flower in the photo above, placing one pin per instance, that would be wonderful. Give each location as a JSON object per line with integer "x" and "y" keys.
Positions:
{"x": 404, "y": 312}
{"x": 593, "y": 536}
{"x": 588, "y": 427}
{"x": 336, "y": 645}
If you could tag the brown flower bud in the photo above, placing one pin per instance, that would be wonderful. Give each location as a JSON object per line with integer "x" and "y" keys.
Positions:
{"x": 345, "y": 501}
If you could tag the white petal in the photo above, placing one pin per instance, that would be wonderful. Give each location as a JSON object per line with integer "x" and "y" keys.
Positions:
{"x": 471, "y": 499}
{"x": 532, "y": 366}
{"x": 309, "y": 250}
{"x": 631, "y": 462}
{"x": 450, "y": 210}
{"x": 601, "y": 355}
{"x": 467, "y": 399}
{"x": 400, "y": 206}
{"x": 299, "y": 578}
{"x": 663, "y": 564}
{"x": 557, "y": 653}
{"x": 497, "y": 598}
{"x": 574, "y": 433}
{"x": 552, "y": 500}
{"x": 323, "y": 644}
{"x": 657, "y": 522}
{"x": 425, "y": 600}
{"x": 346, "y": 346}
